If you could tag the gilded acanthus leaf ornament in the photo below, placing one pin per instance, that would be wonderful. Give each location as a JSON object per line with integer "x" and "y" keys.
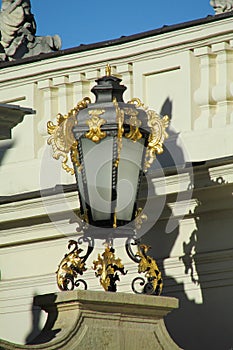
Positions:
{"x": 95, "y": 122}
{"x": 62, "y": 139}
{"x": 134, "y": 133}
{"x": 106, "y": 267}
{"x": 157, "y": 136}
{"x": 137, "y": 102}
{"x": 148, "y": 265}
{"x": 70, "y": 267}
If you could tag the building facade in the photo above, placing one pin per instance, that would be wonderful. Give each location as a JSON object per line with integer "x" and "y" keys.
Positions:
{"x": 184, "y": 71}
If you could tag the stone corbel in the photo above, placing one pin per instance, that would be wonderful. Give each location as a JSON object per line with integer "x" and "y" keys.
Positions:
{"x": 10, "y": 116}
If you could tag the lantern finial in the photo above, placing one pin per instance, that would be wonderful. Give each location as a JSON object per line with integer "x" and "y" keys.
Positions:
{"x": 108, "y": 70}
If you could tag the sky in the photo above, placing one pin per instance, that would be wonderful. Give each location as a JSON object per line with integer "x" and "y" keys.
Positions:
{"x": 84, "y": 22}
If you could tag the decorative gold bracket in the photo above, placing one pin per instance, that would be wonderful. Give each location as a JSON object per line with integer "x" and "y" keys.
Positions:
{"x": 95, "y": 122}
{"x": 70, "y": 267}
{"x": 157, "y": 137}
{"x": 158, "y": 133}
{"x": 134, "y": 133}
{"x": 62, "y": 139}
{"x": 148, "y": 266}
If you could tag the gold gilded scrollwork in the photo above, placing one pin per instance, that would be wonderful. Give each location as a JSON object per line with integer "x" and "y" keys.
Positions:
{"x": 134, "y": 133}
{"x": 70, "y": 267}
{"x": 62, "y": 139}
{"x": 157, "y": 135}
{"x": 137, "y": 102}
{"x": 95, "y": 122}
{"x": 156, "y": 139}
{"x": 149, "y": 266}
{"x": 106, "y": 267}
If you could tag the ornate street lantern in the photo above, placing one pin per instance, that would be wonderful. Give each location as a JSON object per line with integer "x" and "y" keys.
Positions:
{"x": 112, "y": 143}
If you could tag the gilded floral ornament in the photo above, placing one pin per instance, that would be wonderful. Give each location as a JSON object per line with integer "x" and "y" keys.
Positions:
{"x": 148, "y": 265}
{"x": 134, "y": 133}
{"x": 95, "y": 122}
{"x": 106, "y": 267}
{"x": 62, "y": 139}
{"x": 157, "y": 136}
{"x": 70, "y": 267}
{"x": 137, "y": 102}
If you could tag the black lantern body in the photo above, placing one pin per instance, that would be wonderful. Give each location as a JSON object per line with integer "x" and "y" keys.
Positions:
{"x": 112, "y": 137}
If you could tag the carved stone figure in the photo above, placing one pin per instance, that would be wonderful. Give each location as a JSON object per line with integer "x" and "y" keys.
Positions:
{"x": 221, "y": 6}
{"x": 17, "y": 32}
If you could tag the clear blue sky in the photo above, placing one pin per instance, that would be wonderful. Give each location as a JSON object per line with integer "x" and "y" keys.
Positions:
{"x": 83, "y": 22}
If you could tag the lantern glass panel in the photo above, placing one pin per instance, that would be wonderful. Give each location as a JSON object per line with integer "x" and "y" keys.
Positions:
{"x": 81, "y": 189}
{"x": 128, "y": 177}
{"x": 98, "y": 176}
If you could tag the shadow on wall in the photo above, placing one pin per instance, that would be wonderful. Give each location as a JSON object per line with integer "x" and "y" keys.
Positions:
{"x": 206, "y": 256}
{"x": 210, "y": 249}
{"x": 173, "y": 154}
{"x": 5, "y": 145}
{"x": 36, "y": 335}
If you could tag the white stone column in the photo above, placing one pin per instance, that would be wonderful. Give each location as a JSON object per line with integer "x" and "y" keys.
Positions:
{"x": 64, "y": 94}
{"x": 221, "y": 91}
{"x": 126, "y": 71}
{"x": 91, "y": 77}
{"x": 80, "y": 87}
{"x": 48, "y": 108}
{"x": 203, "y": 96}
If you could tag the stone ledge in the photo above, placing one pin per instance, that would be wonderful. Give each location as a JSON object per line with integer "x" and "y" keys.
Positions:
{"x": 10, "y": 116}
{"x": 102, "y": 320}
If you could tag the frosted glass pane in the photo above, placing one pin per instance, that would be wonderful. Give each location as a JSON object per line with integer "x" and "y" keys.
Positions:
{"x": 128, "y": 173}
{"x": 98, "y": 167}
{"x": 80, "y": 186}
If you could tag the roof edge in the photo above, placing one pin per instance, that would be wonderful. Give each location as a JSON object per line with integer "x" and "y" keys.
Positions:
{"x": 117, "y": 41}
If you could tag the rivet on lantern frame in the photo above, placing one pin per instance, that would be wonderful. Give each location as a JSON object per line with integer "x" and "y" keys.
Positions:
{"x": 118, "y": 124}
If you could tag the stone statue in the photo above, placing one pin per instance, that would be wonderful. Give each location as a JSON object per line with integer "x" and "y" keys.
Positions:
{"x": 221, "y": 6}
{"x": 17, "y": 32}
